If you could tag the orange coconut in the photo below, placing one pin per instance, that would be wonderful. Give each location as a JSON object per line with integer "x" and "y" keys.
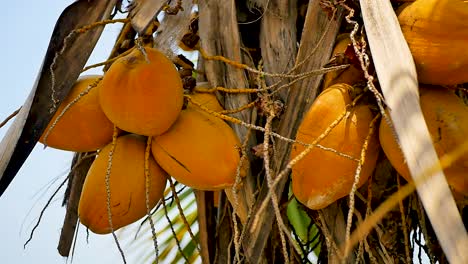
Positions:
{"x": 84, "y": 126}
{"x": 199, "y": 151}
{"x": 350, "y": 75}
{"x": 127, "y": 186}
{"x": 436, "y": 32}
{"x": 207, "y": 100}
{"x": 322, "y": 177}
{"x": 447, "y": 120}
{"x": 142, "y": 96}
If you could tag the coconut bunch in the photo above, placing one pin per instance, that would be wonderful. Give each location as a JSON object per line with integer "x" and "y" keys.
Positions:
{"x": 340, "y": 124}
{"x": 134, "y": 118}
{"x": 436, "y": 35}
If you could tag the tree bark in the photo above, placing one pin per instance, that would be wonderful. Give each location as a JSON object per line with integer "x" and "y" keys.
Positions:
{"x": 301, "y": 95}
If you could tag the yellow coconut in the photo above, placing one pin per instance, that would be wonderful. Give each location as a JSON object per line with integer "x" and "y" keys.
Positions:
{"x": 322, "y": 177}
{"x": 142, "y": 95}
{"x": 207, "y": 100}
{"x": 84, "y": 126}
{"x": 436, "y": 32}
{"x": 127, "y": 186}
{"x": 199, "y": 150}
{"x": 350, "y": 75}
{"x": 447, "y": 120}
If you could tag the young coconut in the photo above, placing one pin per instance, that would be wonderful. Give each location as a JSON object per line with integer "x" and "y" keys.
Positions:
{"x": 322, "y": 177}
{"x": 207, "y": 100}
{"x": 436, "y": 33}
{"x": 447, "y": 120}
{"x": 127, "y": 185}
{"x": 142, "y": 93}
{"x": 83, "y": 126}
{"x": 199, "y": 150}
{"x": 350, "y": 75}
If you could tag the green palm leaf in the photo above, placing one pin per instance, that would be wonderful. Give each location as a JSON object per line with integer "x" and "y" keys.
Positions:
{"x": 141, "y": 246}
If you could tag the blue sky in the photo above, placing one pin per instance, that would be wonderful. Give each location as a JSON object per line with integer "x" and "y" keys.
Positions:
{"x": 29, "y": 25}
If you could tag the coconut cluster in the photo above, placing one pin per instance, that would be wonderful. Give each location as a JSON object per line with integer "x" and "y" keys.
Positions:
{"x": 436, "y": 33}
{"x": 141, "y": 96}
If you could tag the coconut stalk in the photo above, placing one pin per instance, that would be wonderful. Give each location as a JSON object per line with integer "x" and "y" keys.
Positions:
{"x": 398, "y": 80}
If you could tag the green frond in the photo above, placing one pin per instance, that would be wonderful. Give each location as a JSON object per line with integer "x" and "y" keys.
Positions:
{"x": 141, "y": 247}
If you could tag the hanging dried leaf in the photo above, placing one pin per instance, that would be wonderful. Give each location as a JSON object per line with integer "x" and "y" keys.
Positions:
{"x": 52, "y": 85}
{"x": 398, "y": 80}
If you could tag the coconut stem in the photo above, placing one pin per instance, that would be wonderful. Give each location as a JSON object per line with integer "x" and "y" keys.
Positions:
{"x": 357, "y": 177}
{"x": 235, "y": 193}
{"x": 66, "y": 40}
{"x": 107, "y": 61}
{"x": 262, "y": 129}
{"x": 173, "y": 231}
{"x": 108, "y": 193}
{"x": 274, "y": 198}
{"x": 147, "y": 198}
{"x": 181, "y": 213}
